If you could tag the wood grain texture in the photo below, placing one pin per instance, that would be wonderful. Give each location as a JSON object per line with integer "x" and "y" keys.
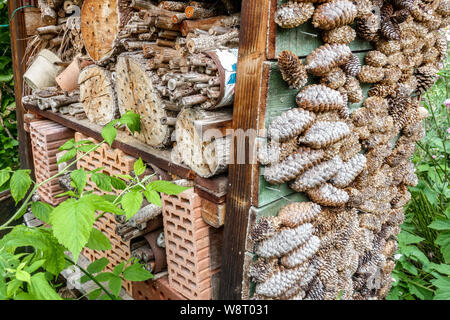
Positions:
{"x": 18, "y": 44}
{"x": 244, "y": 177}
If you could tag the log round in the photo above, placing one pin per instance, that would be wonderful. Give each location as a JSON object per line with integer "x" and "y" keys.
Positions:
{"x": 98, "y": 95}
{"x": 207, "y": 157}
{"x": 136, "y": 92}
{"x": 101, "y": 22}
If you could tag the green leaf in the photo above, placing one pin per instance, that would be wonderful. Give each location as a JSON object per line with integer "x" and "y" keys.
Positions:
{"x": 443, "y": 240}
{"x": 118, "y": 184}
{"x": 23, "y": 276}
{"x": 98, "y": 241}
{"x": 100, "y": 203}
{"x": 153, "y": 197}
{"x": 131, "y": 203}
{"x": 41, "y": 289}
{"x": 84, "y": 279}
{"x": 408, "y": 266}
{"x": 19, "y": 184}
{"x": 72, "y": 223}
{"x": 104, "y": 276}
{"x": 119, "y": 268}
{"x": 2, "y": 287}
{"x": 6, "y": 77}
{"x": 109, "y": 133}
{"x": 414, "y": 253}
{"x": 79, "y": 179}
{"x": 420, "y": 292}
{"x": 12, "y": 287}
{"x": 115, "y": 284}
{"x": 405, "y": 238}
{"x": 442, "y": 268}
{"x": 4, "y": 177}
{"x": 24, "y": 296}
{"x": 139, "y": 167}
{"x": 97, "y": 265}
{"x": 102, "y": 181}
{"x": 124, "y": 176}
{"x": 166, "y": 187}
{"x": 69, "y": 144}
{"x": 443, "y": 288}
{"x": 42, "y": 210}
{"x": 93, "y": 295}
{"x": 136, "y": 272}
{"x": 132, "y": 121}
{"x": 440, "y": 225}
{"x": 69, "y": 155}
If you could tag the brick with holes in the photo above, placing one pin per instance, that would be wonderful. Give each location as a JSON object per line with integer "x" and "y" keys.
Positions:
{"x": 155, "y": 290}
{"x": 46, "y": 137}
{"x": 191, "y": 246}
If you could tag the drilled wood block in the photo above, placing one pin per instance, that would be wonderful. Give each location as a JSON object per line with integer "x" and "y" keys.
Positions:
{"x": 188, "y": 245}
{"x": 155, "y": 290}
{"x": 113, "y": 161}
{"x": 46, "y": 137}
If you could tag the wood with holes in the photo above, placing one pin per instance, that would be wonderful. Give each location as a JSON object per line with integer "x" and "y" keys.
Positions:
{"x": 114, "y": 162}
{"x": 155, "y": 290}
{"x": 46, "y": 137}
{"x": 188, "y": 246}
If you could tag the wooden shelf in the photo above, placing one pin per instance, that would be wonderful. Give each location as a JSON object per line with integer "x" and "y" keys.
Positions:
{"x": 132, "y": 146}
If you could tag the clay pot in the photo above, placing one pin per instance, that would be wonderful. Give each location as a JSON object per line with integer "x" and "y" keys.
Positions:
{"x": 68, "y": 79}
{"x": 43, "y": 71}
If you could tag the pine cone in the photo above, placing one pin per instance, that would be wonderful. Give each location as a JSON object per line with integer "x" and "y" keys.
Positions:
{"x": 376, "y": 58}
{"x": 390, "y": 30}
{"x": 403, "y": 4}
{"x": 371, "y": 74}
{"x": 363, "y": 7}
{"x": 401, "y": 16}
{"x": 297, "y": 213}
{"x": 292, "y": 69}
{"x": 267, "y": 227}
{"x": 293, "y": 14}
{"x": 319, "y": 98}
{"x": 335, "y": 79}
{"x": 386, "y": 11}
{"x": 334, "y": 14}
{"x": 388, "y": 47}
{"x": 367, "y": 27}
{"x": 290, "y": 124}
{"x": 352, "y": 67}
{"x": 261, "y": 269}
{"x": 349, "y": 171}
{"x": 302, "y": 253}
{"x": 392, "y": 75}
{"x": 442, "y": 46}
{"x": 426, "y": 77}
{"x": 444, "y": 8}
{"x": 381, "y": 90}
{"x": 430, "y": 56}
{"x": 292, "y": 166}
{"x": 325, "y": 58}
{"x": 322, "y": 134}
{"x": 341, "y": 35}
{"x": 354, "y": 91}
{"x": 328, "y": 195}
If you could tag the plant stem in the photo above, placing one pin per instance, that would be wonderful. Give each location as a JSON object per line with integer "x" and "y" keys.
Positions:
{"x": 92, "y": 278}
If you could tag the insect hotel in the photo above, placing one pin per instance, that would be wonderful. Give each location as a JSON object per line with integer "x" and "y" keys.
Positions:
{"x": 293, "y": 121}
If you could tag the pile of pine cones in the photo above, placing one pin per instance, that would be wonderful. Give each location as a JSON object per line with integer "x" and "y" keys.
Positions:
{"x": 346, "y": 160}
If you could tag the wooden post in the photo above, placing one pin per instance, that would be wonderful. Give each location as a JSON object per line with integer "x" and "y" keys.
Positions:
{"x": 247, "y": 110}
{"x": 18, "y": 34}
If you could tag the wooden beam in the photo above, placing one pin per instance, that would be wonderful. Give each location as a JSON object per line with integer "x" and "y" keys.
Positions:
{"x": 244, "y": 177}
{"x": 18, "y": 34}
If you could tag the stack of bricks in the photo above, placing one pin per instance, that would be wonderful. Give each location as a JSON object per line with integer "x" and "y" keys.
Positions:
{"x": 158, "y": 289}
{"x": 114, "y": 162}
{"x": 188, "y": 246}
{"x": 46, "y": 137}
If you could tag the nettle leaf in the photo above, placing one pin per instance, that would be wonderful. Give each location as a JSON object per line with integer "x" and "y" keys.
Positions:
{"x": 443, "y": 240}
{"x": 132, "y": 121}
{"x": 118, "y": 184}
{"x": 35, "y": 265}
{"x": 101, "y": 203}
{"x": 69, "y": 144}
{"x": 166, "y": 187}
{"x": 440, "y": 225}
{"x": 42, "y": 240}
{"x": 131, "y": 203}
{"x": 104, "y": 276}
{"x": 109, "y": 133}
{"x": 139, "y": 167}
{"x": 136, "y": 272}
{"x": 69, "y": 155}
{"x": 72, "y": 223}
{"x": 98, "y": 265}
{"x": 153, "y": 197}
{"x": 443, "y": 288}
{"x": 102, "y": 181}
{"x": 19, "y": 184}
{"x": 4, "y": 177}
{"x": 42, "y": 211}
{"x": 98, "y": 241}
{"x": 41, "y": 289}
{"x": 405, "y": 238}
{"x": 420, "y": 292}
{"x": 115, "y": 284}
{"x": 79, "y": 178}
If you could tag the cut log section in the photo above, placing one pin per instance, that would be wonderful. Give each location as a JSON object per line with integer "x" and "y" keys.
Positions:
{"x": 207, "y": 157}
{"x": 98, "y": 95}
{"x": 136, "y": 92}
{"x": 101, "y": 22}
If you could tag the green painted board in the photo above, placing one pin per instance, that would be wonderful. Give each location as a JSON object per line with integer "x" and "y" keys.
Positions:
{"x": 272, "y": 208}
{"x": 305, "y": 38}
{"x": 280, "y": 99}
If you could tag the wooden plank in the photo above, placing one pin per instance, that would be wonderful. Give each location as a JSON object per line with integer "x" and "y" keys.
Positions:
{"x": 124, "y": 142}
{"x": 32, "y": 20}
{"x": 18, "y": 45}
{"x": 302, "y": 40}
{"x": 244, "y": 177}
